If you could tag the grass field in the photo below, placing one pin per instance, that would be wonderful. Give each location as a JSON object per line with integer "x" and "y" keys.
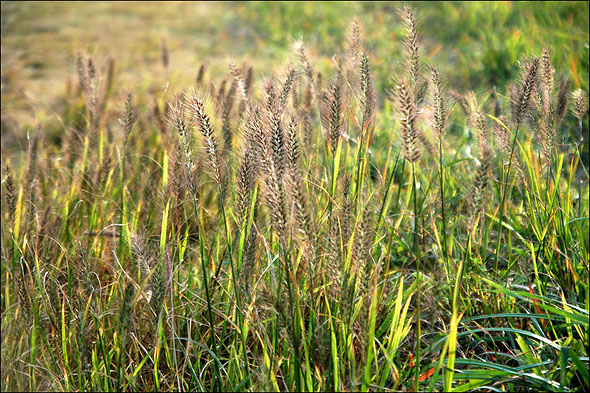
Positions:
{"x": 295, "y": 196}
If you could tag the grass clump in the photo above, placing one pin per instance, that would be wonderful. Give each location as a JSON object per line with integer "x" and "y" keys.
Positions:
{"x": 294, "y": 234}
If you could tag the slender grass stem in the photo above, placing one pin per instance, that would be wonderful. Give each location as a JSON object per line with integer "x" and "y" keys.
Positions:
{"x": 442, "y": 205}
{"x": 418, "y": 278}
{"x": 505, "y": 186}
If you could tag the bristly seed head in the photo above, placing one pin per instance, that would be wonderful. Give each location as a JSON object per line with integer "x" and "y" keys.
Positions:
{"x": 355, "y": 41}
{"x": 562, "y": 100}
{"x": 304, "y": 60}
{"x": 10, "y": 191}
{"x": 439, "y": 106}
{"x": 521, "y": 98}
{"x": 332, "y": 112}
{"x": 127, "y": 122}
{"x": 408, "y": 122}
{"x": 197, "y": 107}
{"x": 411, "y": 45}
{"x": 580, "y": 103}
{"x": 367, "y": 91}
{"x": 239, "y": 79}
{"x": 286, "y": 89}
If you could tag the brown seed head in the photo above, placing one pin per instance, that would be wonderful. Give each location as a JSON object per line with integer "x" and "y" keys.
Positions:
{"x": 408, "y": 122}
{"x": 580, "y": 103}
{"x": 521, "y": 98}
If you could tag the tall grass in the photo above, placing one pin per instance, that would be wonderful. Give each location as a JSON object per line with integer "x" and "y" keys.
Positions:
{"x": 332, "y": 241}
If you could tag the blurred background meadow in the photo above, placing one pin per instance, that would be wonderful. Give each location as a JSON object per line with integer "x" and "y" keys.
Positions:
{"x": 476, "y": 45}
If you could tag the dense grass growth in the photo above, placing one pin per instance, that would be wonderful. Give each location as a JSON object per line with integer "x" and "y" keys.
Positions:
{"x": 343, "y": 230}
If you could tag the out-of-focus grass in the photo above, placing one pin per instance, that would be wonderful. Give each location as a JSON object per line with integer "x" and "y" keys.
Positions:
{"x": 482, "y": 41}
{"x": 475, "y": 44}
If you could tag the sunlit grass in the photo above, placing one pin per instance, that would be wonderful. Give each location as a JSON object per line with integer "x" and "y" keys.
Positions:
{"x": 348, "y": 223}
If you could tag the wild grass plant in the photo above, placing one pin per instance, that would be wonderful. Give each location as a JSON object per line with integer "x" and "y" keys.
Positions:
{"x": 298, "y": 231}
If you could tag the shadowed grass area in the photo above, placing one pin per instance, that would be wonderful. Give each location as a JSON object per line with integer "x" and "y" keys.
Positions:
{"x": 308, "y": 196}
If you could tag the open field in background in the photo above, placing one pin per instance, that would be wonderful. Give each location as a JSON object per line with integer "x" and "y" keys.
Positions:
{"x": 475, "y": 45}
{"x": 295, "y": 196}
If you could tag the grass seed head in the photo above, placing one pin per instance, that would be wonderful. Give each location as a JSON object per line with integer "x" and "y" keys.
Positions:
{"x": 580, "y": 103}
